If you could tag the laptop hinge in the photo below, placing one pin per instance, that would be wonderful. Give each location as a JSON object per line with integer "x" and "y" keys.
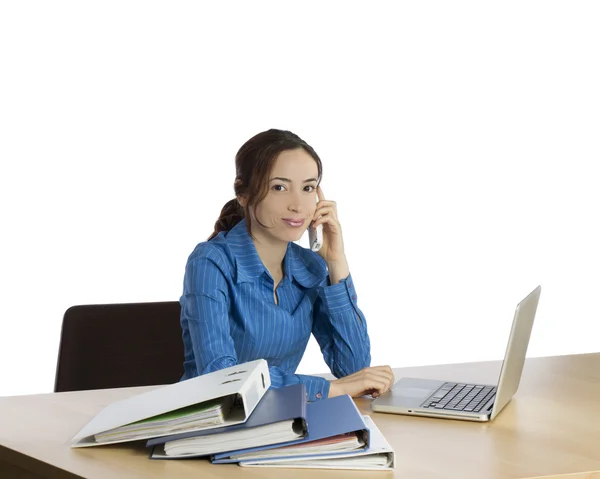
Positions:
{"x": 490, "y": 406}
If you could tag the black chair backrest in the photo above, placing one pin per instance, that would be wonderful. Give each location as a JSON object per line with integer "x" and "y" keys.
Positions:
{"x": 119, "y": 345}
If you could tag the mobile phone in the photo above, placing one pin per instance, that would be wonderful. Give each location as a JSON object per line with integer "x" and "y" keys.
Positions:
{"x": 315, "y": 237}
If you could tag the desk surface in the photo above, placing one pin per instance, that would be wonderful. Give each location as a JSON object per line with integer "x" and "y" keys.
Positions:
{"x": 550, "y": 428}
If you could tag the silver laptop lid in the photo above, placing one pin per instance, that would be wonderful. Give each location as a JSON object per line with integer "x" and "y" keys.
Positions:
{"x": 514, "y": 359}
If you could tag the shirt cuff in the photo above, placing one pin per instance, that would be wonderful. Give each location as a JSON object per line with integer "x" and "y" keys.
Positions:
{"x": 341, "y": 296}
{"x": 316, "y": 387}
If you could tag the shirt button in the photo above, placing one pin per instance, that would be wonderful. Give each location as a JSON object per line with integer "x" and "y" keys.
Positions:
{"x": 353, "y": 297}
{"x": 319, "y": 395}
{"x": 349, "y": 284}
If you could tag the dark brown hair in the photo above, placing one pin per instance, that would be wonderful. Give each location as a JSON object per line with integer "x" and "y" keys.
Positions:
{"x": 253, "y": 164}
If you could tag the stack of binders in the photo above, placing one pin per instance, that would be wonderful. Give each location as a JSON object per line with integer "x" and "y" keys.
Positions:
{"x": 231, "y": 416}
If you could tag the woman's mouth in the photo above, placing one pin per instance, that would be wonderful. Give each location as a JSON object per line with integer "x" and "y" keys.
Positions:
{"x": 293, "y": 223}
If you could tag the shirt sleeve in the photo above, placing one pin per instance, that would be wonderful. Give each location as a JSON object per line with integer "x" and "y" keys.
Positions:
{"x": 340, "y": 328}
{"x": 205, "y": 309}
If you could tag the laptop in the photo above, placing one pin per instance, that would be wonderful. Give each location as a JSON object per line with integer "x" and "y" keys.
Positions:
{"x": 459, "y": 400}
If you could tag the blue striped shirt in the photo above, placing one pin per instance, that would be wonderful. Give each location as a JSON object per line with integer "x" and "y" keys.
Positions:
{"x": 229, "y": 315}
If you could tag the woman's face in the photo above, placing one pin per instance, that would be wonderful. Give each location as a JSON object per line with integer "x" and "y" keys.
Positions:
{"x": 290, "y": 204}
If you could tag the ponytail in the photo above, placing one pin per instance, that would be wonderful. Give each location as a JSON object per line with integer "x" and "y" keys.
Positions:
{"x": 231, "y": 214}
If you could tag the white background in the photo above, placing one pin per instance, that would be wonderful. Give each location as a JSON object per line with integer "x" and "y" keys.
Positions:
{"x": 459, "y": 139}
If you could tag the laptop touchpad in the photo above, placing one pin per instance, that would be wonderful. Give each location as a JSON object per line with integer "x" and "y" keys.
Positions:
{"x": 413, "y": 393}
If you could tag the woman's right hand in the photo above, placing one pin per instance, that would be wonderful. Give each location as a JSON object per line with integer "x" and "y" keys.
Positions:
{"x": 373, "y": 380}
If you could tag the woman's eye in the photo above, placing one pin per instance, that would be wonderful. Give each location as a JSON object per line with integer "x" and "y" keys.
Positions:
{"x": 309, "y": 188}
{"x": 278, "y": 187}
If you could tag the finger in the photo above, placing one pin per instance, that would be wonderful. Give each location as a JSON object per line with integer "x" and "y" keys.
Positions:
{"x": 358, "y": 390}
{"x": 325, "y": 205}
{"x": 372, "y": 392}
{"x": 378, "y": 386}
{"x": 334, "y": 225}
{"x": 386, "y": 371}
{"x": 387, "y": 368}
{"x": 357, "y": 386}
{"x": 381, "y": 369}
{"x": 368, "y": 369}
{"x": 320, "y": 194}
{"x": 325, "y": 211}
{"x": 392, "y": 376}
{"x": 382, "y": 376}
{"x": 383, "y": 379}
{"x": 328, "y": 218}
{"x": 379, "y": 379}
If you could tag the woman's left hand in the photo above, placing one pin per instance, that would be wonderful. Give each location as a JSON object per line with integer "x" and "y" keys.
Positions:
{"x": 332, "y": 250}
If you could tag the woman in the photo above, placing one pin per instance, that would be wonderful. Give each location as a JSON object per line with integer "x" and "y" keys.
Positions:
{"x": 250, "y": 292}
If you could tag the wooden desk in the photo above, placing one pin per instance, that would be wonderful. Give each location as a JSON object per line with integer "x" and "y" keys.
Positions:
{"x": 550, "y": 428}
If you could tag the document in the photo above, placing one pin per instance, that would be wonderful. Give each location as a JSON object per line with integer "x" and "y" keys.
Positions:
{"x": 221, "y": 398}
{"x": 210, "y": 413}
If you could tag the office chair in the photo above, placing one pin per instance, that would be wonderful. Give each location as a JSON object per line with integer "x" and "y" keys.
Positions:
{"x": 119, "y": 345}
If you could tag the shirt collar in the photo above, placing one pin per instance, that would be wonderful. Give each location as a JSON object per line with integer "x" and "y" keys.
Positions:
{"x": 249, "y": 265}
{"x": 247, "y": 262}
{"x": 296, "y": 267}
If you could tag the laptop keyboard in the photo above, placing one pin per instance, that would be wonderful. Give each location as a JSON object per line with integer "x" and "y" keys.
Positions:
{"x": 460, "y": 397}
